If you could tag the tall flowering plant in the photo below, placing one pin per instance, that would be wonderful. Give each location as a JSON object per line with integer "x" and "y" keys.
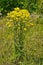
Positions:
{"x": 20, "y": 19}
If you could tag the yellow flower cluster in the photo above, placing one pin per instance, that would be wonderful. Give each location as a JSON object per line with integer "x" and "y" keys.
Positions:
{"x": 17, "y": 14}
{"x": 9, "y": 24}
{"x": 25, "y": 29}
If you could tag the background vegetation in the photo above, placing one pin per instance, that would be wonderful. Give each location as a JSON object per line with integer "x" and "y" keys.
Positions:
{"x": 21, "y": 32}
{"x": 31, "y": 5}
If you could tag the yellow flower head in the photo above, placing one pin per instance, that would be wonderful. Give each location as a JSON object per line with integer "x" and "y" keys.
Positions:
{"x": 25, "y": 29}
{"x": 18, "y": 14}
{"x": 17, "y": 19}
{"x": 16, "y": 9}
{"x": 9, "y": 25}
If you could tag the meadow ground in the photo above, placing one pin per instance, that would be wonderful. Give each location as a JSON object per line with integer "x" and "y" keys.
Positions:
{"x": 33, "y": 43}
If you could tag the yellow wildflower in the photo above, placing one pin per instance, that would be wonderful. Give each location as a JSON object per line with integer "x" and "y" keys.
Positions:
{"x": 9, "y": 25}
{"x": 16, "y": 9}
{"x": 12, "y": 16}
{"x": 17, "y": 19}
{"x": 18, "y": 14}
{"x": 25, "y": 29}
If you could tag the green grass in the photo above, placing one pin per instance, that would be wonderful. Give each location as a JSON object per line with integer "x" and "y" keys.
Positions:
{"x": 33, "y": 44}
